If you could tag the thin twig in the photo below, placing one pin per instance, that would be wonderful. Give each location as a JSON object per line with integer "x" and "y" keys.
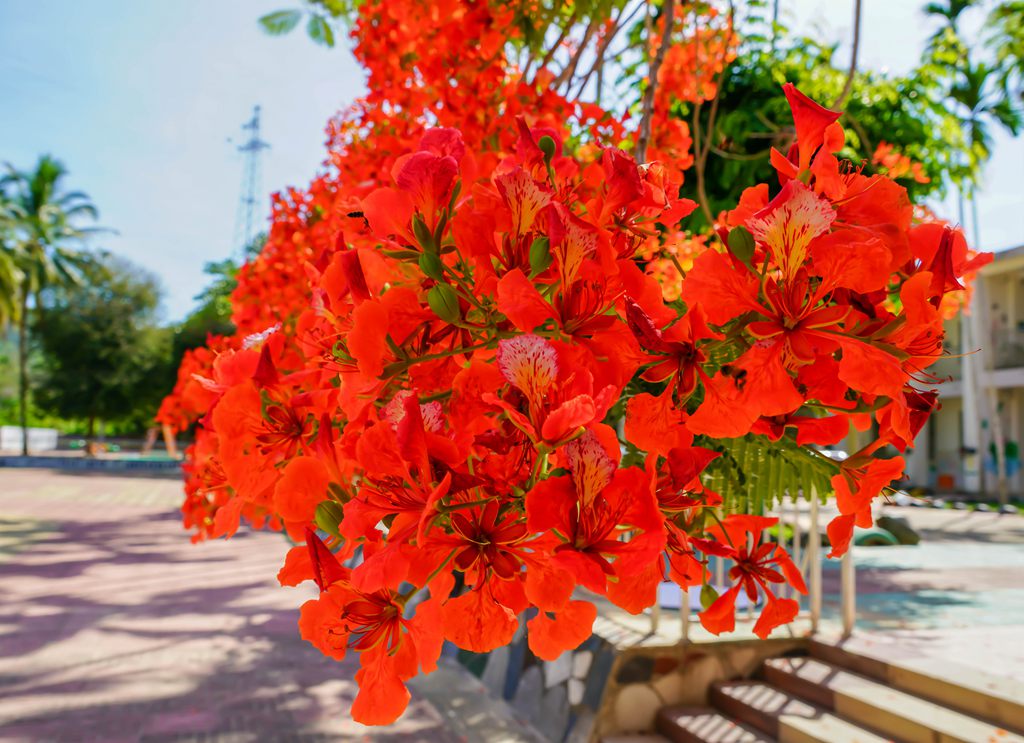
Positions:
{"x": 566, "y": 75}
{"x": 848, "y": 85}
{"x": 554, "y": 47}
{"x": 702, "y": 194}
{"x": 703, "y": 149}
{"x": 602, "y": 48}
{"x": 644, "y": 136}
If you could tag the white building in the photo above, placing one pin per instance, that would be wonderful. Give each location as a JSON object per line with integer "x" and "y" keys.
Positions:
{"x": 955, "y": 450}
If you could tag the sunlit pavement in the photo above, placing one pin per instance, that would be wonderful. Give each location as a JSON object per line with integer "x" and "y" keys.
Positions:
{"x": 114, "y": 627}
{"x": 959, "y": 595}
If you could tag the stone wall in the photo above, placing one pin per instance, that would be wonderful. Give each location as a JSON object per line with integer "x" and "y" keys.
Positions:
{"x": 645, "y": 679}
{"x": 562, "y": 698}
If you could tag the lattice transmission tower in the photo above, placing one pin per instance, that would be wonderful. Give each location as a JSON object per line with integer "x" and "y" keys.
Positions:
{"x": 251, "y": 191}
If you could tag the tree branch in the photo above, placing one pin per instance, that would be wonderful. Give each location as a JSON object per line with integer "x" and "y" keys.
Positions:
{"x": 848, "y": 85}
{"x": 602, "y": 48}
{"x": 569, "y": 71}
{"x": 644, "y": 135}
{"x": 554, "y": 47}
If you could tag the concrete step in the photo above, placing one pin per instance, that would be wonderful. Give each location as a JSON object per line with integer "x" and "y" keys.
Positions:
{"x": 953, "y": 685}
{"x": 873, "y": 703}
{"x": 784, "y": 716}
{"x": 470, "y": 713}
{"x": 704, "y": 725}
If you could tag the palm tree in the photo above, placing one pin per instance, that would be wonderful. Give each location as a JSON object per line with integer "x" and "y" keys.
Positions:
{"x": 10, "y": 276}
{"x": 978, "y": 93}
{"x": 42, "y": 255}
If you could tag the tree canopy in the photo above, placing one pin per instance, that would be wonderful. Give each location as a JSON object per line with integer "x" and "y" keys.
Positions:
{"x": 102, "y": 355}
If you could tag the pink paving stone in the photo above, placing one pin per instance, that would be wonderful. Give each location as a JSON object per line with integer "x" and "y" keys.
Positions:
{"x": 114, "y": 627}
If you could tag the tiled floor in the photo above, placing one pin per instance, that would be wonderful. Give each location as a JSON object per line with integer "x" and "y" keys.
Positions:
{"x": 113, "y": 627}
{"x": 967, "y": 573}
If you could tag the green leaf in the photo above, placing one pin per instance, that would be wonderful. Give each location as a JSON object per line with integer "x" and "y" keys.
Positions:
{"x": 281, "y": 21}
{"x": 445, "y": 303}
{"x": 320, "y": 30}
{"x": 708, "y": 595}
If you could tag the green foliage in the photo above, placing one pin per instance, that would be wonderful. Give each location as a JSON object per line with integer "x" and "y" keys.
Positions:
{"x": 280, "y": 22}
{"x": 977, "y": 80}
{"x": 9, "y": 388}
{"x": 754, "y": 474}
{"x": 323, "y": 17}
{"x": 40, "y": 248}
{"x": 10, "y": 273}
{"x": 753, "y": 116}
{"x": 1005, "y": 38}
{"x": 320, "y": 31}
{"x": 213, "y": 315}
{"x": 42, "y": 222}
{"x": 102, "y": 356}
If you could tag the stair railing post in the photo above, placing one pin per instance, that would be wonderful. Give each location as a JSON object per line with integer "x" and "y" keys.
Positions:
{"x": 848, "y": 592}
{"x": 797, "y": 539}
{"x": 814, "y": 563}
{"x": 684, "y": 616}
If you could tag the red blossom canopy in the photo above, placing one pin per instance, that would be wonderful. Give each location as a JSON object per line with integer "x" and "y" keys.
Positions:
{"x": 455, "y": 357}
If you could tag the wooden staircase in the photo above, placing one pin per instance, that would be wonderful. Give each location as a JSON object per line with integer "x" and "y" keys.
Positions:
{"x": 835, "y": 694}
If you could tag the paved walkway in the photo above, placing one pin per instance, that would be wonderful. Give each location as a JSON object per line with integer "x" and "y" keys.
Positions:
{"x": 958, "y": 596}
{"x": 113, "y": 627}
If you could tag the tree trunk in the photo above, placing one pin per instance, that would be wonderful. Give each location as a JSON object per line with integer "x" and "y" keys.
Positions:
{"x": 90, "y": 444}
{"x": 23, "y": 370}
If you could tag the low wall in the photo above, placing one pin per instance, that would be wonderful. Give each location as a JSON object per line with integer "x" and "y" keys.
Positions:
{"x": 39, "y": 439}
{"x": 164, "y": 467}
{"x": 618, "y": 679}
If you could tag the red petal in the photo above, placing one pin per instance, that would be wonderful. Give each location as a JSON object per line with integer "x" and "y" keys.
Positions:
{"x": 388, "y": 211}
{"x": 520, "y": 302}
{"x": 549, "y": 638}
{"x": 810, "y": 120}
{"x": 302, "y": 486}
{"x": 840, "y": 533}
{"x": 476, "y": 621}
{"x": 326, "y": 568}
{"x": 721, "y": 615}
{"x": 776, "y": 612}
{"x": 568, "y": 417}
{"x": 382, "y": 696}
{"x": 367, "y": 341}
{"x": 297, "y": 567}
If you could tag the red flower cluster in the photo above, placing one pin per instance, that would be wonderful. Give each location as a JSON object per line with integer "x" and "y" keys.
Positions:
{"x": 446, "y": 352}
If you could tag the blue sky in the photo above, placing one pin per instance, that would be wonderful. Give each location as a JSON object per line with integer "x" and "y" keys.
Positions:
{"x": 139, "y": 98}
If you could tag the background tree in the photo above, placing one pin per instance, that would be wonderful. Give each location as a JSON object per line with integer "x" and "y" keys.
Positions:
{"x": 10, "y": 277}
{"x": 103, "y": 358}
{"x": 44, "y": 248}
{"x": 212, "y": 316}
{"x": 979, "y": 81}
